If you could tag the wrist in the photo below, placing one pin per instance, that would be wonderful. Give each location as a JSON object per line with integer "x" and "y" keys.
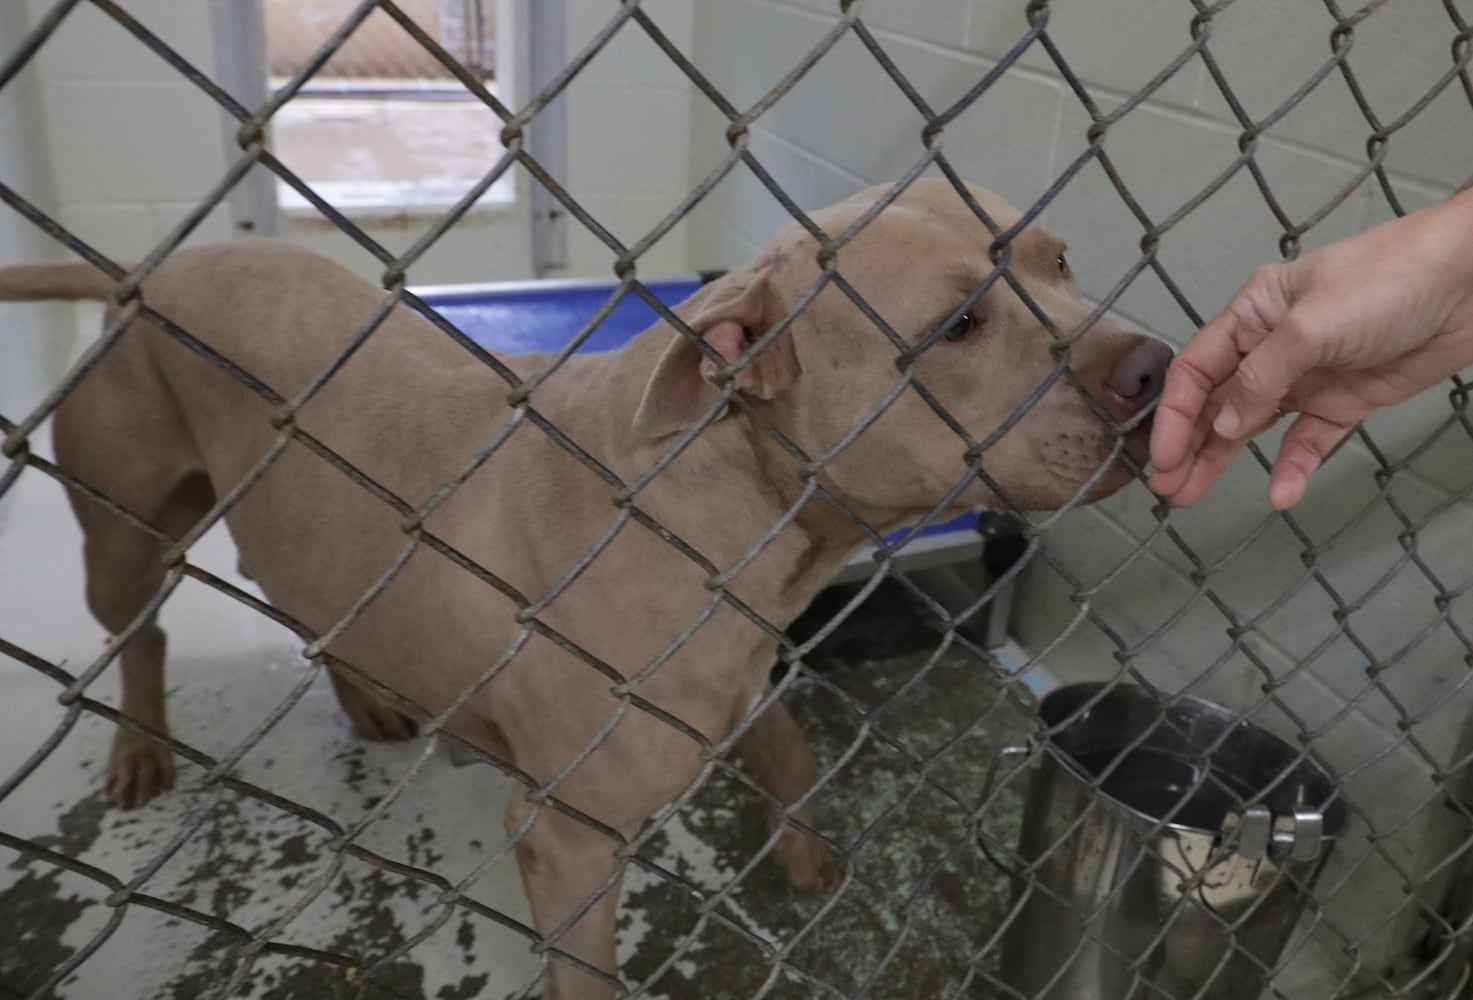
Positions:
{"x": 1445, "y": 246}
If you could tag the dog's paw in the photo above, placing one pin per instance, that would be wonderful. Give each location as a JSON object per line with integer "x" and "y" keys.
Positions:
{"x": 373, "y": 720}
{"x": 809, "y": 864}
{"x": 137, "y": 770}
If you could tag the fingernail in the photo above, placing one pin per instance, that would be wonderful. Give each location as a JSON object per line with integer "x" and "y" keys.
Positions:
{"x": 1227, "y": 422}
{"x": 1285, "y": 490}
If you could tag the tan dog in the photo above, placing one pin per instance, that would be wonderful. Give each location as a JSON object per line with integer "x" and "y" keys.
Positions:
{"x": 164, "y": 433}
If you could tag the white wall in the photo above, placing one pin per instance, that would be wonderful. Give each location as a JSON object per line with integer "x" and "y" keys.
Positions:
{"x": 629, "y": 136}
{"x": 131, "y": 144}
{"x": 35, "y": 340}
{"x": 846, "y": 125}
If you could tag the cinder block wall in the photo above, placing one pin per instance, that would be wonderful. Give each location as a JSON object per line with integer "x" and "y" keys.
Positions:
{"x": 129, "y": 145}
{"x": 629, "y": 145}
{"x": 35, "y": 339}
{"x": 1302, "y": 660}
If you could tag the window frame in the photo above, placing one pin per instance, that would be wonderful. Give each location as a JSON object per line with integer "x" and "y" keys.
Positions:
{"x": 530, "y": 51}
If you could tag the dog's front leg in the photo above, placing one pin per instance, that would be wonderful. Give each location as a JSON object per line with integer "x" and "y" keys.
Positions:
{"x": 777, "y": 753}
{"x": 563, "y": 864}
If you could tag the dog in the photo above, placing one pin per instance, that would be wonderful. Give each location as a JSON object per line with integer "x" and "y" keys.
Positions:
{"x": 164, "y": 433}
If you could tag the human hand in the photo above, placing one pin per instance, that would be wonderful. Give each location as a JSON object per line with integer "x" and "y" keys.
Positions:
{"x": 1362, "y": 323}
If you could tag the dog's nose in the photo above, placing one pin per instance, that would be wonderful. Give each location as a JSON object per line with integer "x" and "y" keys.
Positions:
{"x": 1137, "y": 378}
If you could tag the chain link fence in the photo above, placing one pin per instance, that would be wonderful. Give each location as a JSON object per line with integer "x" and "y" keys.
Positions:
{"x": 1387, "y": 916}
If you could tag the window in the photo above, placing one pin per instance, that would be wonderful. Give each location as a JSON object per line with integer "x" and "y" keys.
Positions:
{"x": 382, "y": 126}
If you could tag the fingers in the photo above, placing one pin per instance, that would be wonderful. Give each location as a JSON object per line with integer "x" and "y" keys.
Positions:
{"x": 1179, "y": 428}
{"x": 1304, "y": 447}
{"x": 1185, "y": 455}
{"x": 1251, "y": 398}
{"x": 1194, "y": 478}
{"x": 1228, "y": 384}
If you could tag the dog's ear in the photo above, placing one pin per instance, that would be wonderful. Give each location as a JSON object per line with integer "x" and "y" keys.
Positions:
{"x": 730, "y": 319}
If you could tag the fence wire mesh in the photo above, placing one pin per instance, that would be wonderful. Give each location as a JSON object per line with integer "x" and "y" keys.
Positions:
{"x": 933, "y": 941}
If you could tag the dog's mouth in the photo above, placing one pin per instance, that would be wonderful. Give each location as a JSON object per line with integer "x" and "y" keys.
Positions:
{"x": 1076, "y": 457}
{"x": 1138, "y": 441}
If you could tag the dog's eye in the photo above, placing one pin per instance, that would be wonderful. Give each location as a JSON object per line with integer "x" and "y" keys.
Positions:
{"x": 964, "y": 325}
{"x": 1063, "y": 265}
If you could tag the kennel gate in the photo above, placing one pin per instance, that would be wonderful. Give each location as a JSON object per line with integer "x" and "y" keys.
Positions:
{"x": 1410, "y": 845}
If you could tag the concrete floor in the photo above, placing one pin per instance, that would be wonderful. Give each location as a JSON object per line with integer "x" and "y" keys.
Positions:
{"x": 248, "y": 862}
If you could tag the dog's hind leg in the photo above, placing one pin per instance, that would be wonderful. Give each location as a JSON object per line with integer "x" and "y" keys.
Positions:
{"x": 157, "y": 477}
{"x": 775, "y": 750}
{"x": 124, "y": 570}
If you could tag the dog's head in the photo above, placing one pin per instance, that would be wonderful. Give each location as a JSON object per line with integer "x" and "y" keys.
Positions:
{"x": 993, "y": 367}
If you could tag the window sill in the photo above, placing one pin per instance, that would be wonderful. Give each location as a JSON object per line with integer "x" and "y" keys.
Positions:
{"x": 387, "y": 158}
{"x": 392, "y": 201}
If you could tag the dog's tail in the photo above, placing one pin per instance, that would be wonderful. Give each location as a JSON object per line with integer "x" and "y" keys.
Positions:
{"x": 34, "y": 282}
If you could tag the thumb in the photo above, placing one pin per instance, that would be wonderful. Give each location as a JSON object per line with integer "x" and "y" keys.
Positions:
{"x": 1250, "y": 399}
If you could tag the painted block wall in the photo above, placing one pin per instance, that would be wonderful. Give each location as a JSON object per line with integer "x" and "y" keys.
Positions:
{"x": 628, "y": 126}
{"x": 1119, "y": 588}
{"x": 36, "y": 338}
